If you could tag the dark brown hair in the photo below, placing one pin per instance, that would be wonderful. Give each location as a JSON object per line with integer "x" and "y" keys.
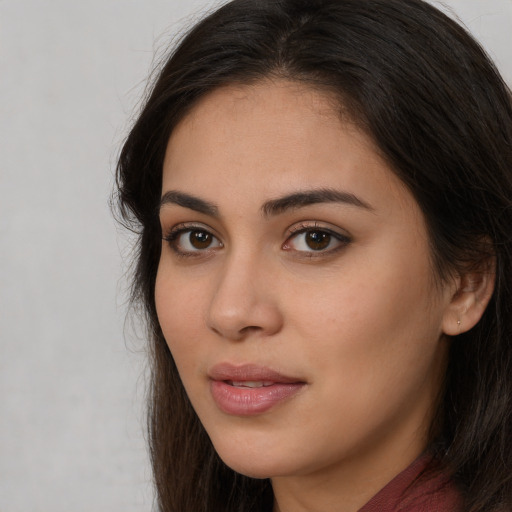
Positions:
{"x": 441, "y": 115}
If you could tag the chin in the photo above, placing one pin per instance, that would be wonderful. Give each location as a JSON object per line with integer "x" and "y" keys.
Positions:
{"x": 258, "y": 471}
{"x": 264, "y": 464}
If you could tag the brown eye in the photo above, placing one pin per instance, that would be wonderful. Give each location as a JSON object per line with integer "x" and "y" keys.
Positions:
{"x": 189, "y": 241}
{"x": 200, "y": 239}
{"x": 317, "y": 240}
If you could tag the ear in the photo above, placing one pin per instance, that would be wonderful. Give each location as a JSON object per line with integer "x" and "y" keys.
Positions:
{"x": 473, "y": 290}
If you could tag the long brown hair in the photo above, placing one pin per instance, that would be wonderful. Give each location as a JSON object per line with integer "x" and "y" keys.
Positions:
{"x": 441, "y": 115}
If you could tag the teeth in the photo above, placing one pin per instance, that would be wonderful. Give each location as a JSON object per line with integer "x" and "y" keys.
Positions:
{"x": 251, "y": 383}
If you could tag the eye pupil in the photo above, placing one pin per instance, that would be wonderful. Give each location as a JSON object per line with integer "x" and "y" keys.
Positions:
{"x": 317, "y": 240}
{"x": 200, "y": 239}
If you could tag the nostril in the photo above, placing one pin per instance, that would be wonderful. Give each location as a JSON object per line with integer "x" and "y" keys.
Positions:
{"x": 250, "y": 328}
{"x": 239, "y": 334}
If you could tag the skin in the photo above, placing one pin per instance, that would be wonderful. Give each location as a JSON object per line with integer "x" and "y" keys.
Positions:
{"x": 360, "y": 322}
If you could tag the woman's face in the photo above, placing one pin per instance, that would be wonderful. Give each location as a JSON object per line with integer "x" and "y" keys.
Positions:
{"x": 295, "y": 288}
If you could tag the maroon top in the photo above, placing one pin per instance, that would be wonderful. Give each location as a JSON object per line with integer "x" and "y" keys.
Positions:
{"x": 408, "y": 493}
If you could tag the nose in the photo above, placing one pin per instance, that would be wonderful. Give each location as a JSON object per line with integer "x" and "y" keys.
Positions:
{"x": 244, "y": 302}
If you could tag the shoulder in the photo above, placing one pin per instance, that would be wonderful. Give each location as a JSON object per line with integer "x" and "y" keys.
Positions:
{"x": 417, "y": 490}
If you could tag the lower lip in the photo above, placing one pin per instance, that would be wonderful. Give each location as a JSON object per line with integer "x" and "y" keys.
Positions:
{"x": 250, "y": 401}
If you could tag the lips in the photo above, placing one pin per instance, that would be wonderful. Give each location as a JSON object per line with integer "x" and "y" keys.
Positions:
{"x": 250, "y": 389}
{"x": 250, "y": 383}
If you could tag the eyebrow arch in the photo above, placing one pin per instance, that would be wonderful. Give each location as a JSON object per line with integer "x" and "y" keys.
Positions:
{"x": 301, "y": 199}
{"x": 190, "y": 202}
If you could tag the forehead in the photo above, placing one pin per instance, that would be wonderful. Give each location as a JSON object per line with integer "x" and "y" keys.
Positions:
{"x": 267, "y": 138}
{"x": 270, "y": 113}
{"x": 282, "y": 96}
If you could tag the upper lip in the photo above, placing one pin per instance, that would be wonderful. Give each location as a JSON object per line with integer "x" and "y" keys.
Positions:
{"x": 249, "y": 372}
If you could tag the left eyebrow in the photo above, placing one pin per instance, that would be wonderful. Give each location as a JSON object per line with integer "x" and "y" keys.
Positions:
{"x": 301, "y": 199}
{"x": 188, "y": 201}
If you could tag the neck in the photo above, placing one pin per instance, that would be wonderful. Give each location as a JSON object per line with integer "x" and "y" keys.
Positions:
{"x": 344, "y": 487}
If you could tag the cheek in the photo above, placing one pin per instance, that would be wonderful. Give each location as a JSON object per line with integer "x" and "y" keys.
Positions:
{"x": 374, "y": 352}
{"x": 373, "y": 320}
{"x": 180, "y": 309}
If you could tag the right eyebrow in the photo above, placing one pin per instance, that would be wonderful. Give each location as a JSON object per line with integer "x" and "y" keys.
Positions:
{"x": 305, "y": 198}
{"x": 190, "y": 202}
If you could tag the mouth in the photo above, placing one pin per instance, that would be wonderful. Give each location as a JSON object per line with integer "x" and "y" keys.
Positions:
{"x": 250, "y": 383}
{"x": 249, "y": 390}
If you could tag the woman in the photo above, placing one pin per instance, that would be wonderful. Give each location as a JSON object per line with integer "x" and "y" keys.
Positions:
{"x": 323, "y": 190}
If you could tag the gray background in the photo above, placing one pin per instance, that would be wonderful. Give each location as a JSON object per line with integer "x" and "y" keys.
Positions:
{"x": 71, "y": 369}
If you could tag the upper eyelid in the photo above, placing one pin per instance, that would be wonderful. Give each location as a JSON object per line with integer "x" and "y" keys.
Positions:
{"x": 316, "y": 225}
{"x": 188, "y": 226}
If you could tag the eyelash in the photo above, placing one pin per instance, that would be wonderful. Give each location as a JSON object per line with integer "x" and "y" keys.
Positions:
{"x": 172, "y": 238}
{"x": 342, "y": 239}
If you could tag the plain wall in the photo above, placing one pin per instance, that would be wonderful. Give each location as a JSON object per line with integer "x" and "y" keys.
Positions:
{"x": 71, "y": 374}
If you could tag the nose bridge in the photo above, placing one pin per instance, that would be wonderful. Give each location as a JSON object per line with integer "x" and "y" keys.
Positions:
{"x": 243, "y": 302}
